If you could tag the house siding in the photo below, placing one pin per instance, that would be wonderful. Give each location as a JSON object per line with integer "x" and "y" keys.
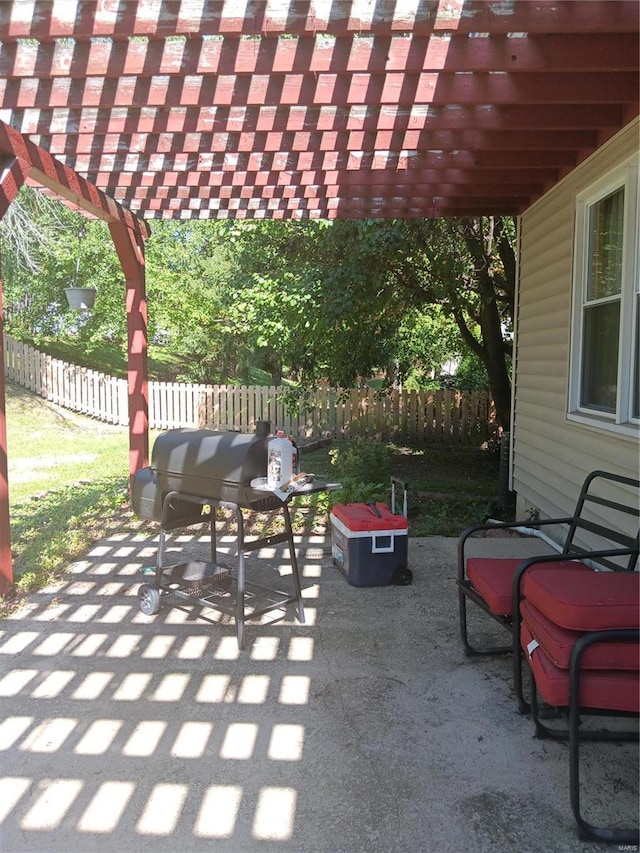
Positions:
{"x": 552, "y": 455}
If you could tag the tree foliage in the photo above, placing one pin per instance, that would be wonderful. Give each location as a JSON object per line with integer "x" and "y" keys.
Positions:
{"x": 338, "y": 300}
{"x": 363, "y": 289}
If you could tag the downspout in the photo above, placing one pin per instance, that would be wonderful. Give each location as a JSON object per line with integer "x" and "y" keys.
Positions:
{"x": 531, "y": 532}
{"x": 6, "y": 562}
{"x": 514, "y": 358}
{"x": 539, "y": 534}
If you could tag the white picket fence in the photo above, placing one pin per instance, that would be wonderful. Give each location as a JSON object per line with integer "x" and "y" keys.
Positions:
{"x": 95, "y": 394}
{"x": 171, "y": 404}
{"x": 423, "y": 417}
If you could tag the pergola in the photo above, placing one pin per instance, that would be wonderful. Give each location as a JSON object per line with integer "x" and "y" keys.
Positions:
{"x": 319, "y": 108}
{"x": 301, "y": 109}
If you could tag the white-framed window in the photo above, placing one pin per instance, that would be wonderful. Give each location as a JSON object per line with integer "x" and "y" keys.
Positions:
{"x": 605, "y": 346}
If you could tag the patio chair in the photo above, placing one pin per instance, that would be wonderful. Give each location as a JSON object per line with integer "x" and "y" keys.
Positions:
{"x": 580, "y": 634}
{"x": 494, "y": 583}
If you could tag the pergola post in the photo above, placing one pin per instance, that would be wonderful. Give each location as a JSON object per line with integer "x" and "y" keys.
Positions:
{"x": 12, "y": 176}
{"x": 6, "y": 563}
{"x": 21, "y": 159}
{"x": 130, "y": 248}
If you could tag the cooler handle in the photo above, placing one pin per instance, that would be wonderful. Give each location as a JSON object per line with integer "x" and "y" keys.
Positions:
{"x": 383, "y": 549}
{"x": 405, "y": 488}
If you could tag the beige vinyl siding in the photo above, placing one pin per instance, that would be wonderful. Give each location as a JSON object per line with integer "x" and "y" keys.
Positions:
{"x": 552, "y": 455}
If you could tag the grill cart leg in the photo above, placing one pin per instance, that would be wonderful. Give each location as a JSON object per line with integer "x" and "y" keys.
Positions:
{"x": 294, "y": 563}
{"x": 241, "y": 579}
{"x": 214, "y": 542}
{"x": 209, "y": 584}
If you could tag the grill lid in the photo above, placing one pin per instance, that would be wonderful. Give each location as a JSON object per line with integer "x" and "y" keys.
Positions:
{"x": 210, "y": 464}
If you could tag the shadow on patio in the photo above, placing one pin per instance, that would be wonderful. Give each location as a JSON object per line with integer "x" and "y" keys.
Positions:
{"x": 363, "y": 730}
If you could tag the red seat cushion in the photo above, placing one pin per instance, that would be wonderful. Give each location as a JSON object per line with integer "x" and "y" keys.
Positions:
{"x": 558, "y": 644}
{"x": 492, "y": 578}
{"x": 607, "y": 690}
{"x": 585, "y": 601}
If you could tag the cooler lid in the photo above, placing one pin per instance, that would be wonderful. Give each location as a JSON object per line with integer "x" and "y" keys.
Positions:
{"x": 364, "y": 517}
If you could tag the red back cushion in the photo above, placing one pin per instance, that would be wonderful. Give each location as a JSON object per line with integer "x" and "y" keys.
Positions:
{"x": 585, "y": 601}
{"x": 610, "y": 690}
{"x": 558, "y": 644}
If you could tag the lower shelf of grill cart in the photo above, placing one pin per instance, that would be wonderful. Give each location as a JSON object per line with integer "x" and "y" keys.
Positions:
{"x": 214, "y": 585}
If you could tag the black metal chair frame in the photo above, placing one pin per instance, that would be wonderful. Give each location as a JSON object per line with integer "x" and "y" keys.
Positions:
{"x": 573, "y": 713}
{"x": 606, "y": 558}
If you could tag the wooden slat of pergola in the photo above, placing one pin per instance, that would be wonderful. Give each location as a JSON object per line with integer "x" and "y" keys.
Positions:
{"x": 163, "y": 18}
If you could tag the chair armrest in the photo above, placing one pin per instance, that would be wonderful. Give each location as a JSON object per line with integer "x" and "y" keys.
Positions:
{"x": 602, "y": 636}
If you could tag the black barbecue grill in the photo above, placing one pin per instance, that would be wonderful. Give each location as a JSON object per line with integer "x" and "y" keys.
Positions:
{"x": 192, "y": 473}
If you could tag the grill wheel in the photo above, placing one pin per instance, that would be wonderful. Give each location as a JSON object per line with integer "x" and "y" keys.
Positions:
{"x": 149, "y": 599}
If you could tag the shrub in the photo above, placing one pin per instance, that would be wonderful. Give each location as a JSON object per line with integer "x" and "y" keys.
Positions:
{"x": 364, "y": 469}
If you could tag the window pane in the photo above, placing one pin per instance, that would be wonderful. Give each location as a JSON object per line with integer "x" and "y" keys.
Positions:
{"x": 606, "y": 221}
{"x": 600, "y": 356}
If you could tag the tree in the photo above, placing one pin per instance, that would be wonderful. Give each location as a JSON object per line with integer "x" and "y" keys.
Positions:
{"x": 190, "y": 300}
{"x": 368, "y": 277}
{"x": 336, "y": 300}
{"x": 28, "y": 233}
{"x": 46, "y": 248}
{"x": 468, "y": 266}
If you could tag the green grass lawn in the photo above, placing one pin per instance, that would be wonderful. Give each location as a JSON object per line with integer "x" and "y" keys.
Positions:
{"x": 49, "y": 448}
{"x": 110, "y": 359}
{"x": 164, "y": 366}
{"x": 68, "y": 485}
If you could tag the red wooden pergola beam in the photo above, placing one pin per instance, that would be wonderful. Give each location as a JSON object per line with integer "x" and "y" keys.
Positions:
{"x": 412, "y": 205}
{"x": 134, "y": 119}
{"x": 590, "y": 52}
{"x": 146, "y": 184}
{"x": 269, "y": 161}
{"x": 397, "y": 212}
{"x": 51, "y": 173}
{"x": 13, "y": 173}
{"x": 327, "y": 190}
{"x": 355, "y": 140}
{"x": 22, "y": 160}
{"x": 435, "y": 212}
{"x": 333, "y": 177}
{"x": 121, "y": 19}
{"x": 194, "y": 200}
{"x": 393, "y": 88}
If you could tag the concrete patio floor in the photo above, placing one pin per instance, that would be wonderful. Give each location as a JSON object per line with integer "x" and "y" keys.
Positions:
{"x": 363, "y": 731}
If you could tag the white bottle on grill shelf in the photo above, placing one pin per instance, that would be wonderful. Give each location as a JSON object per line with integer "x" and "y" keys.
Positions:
{"x": 279, "y": 461}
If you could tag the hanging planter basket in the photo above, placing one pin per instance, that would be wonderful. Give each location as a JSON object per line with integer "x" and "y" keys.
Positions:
{"x": 81, "y": 298}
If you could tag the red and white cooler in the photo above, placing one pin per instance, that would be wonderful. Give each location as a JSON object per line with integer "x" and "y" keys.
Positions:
{"x": 369, "y": 544}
